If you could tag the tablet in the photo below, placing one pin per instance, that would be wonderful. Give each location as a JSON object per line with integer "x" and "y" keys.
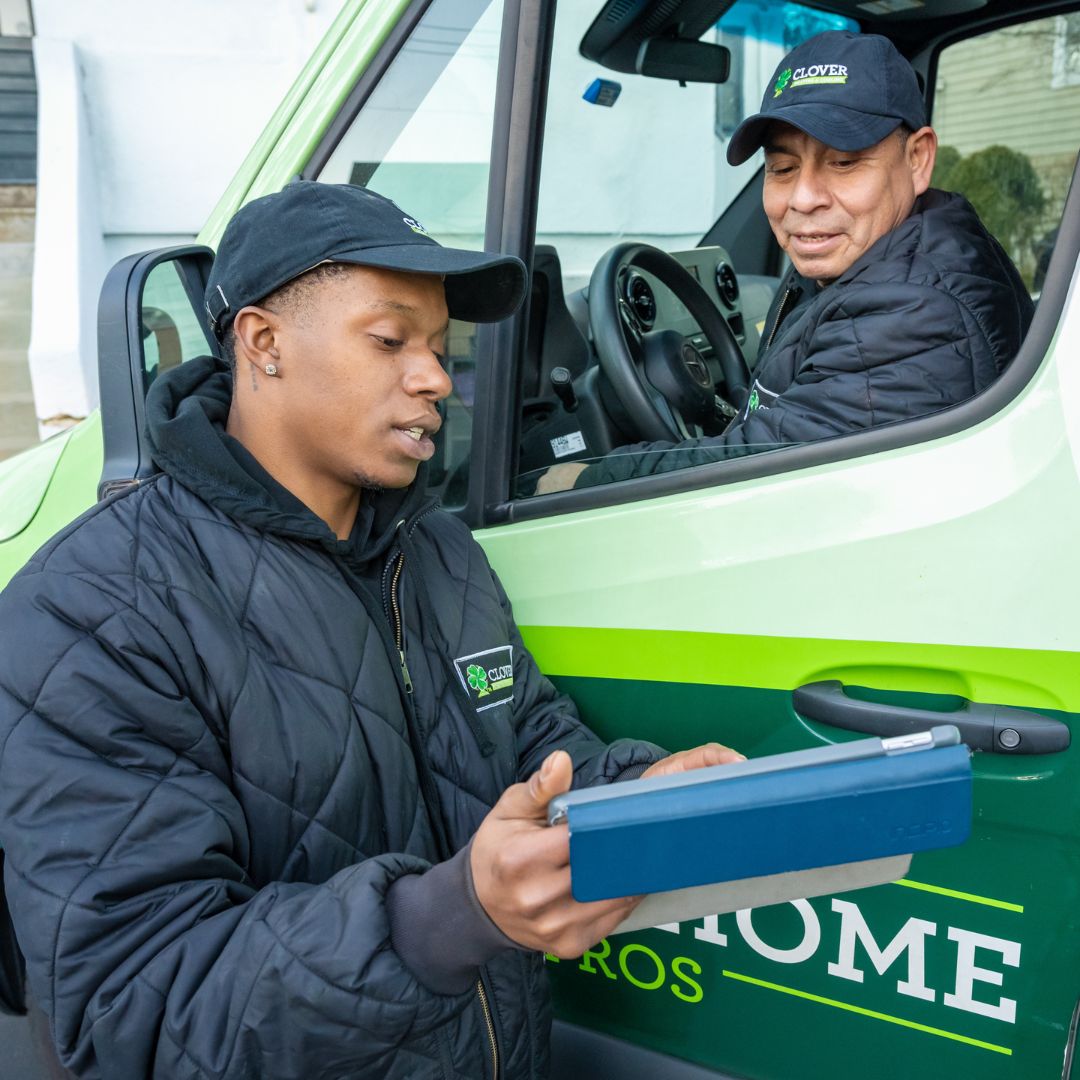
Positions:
{"x": 856, "y": 750}
{"x": 861, "y": 808}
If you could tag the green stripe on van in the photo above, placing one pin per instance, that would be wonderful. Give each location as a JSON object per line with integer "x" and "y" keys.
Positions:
{"x": 1034, "y": 678}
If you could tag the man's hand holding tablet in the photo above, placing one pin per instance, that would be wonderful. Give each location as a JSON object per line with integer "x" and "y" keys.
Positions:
{"x": 521, "y": 867}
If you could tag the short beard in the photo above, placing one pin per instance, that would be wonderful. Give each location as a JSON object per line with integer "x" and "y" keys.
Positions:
{"x": 369, "y": 484}
{"x": 366, "y": 483}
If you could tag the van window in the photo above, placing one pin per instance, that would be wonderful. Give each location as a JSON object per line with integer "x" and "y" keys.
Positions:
{"x": 1007, "y": 114}
{"x": 651, "y": 166}
{"x": 423, "y": 139}
{"x": 645, "y": 162}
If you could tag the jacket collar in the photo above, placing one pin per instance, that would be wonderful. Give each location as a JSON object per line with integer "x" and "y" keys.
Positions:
{"x": 948, "y": 206}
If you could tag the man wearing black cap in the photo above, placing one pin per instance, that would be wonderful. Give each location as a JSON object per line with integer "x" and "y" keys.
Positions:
{"x": 274, "y": 762}
{"x": 899, "y": 303}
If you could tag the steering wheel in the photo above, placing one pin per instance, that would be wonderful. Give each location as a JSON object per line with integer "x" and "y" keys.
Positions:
{"x": 659, "y": 378}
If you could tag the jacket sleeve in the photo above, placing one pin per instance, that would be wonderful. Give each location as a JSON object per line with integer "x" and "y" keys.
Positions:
{"x": 146, "y": 941}
{"x": 879, "y": 353}
{"x": 546, "y": 720}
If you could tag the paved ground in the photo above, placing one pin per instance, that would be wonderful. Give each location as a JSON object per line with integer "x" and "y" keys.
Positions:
{"x": 18, "y": 423}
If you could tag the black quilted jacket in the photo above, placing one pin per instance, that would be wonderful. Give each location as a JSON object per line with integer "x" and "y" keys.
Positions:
{"x": 928, "y": 317}
{"x": 211, "y": 774}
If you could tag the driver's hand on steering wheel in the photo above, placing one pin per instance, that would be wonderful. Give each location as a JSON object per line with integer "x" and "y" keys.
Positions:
{"x": 560, "y": 477}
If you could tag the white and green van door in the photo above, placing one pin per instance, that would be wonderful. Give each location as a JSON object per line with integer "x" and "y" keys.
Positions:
{"x": 929, "y": 567}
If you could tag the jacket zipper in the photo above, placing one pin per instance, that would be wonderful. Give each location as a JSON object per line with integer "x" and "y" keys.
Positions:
{"x": 399, "y": 632}
{"x": 392, "y": 633}
{"x": 399, "y": 641}
{"x": 779, "y": 318}
{"x": 490, "y": 1028}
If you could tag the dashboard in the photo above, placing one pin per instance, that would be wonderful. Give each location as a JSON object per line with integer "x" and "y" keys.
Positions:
{"x": 743, "y": 299}
{"x": 569, "y": 411}
{"x": 648, "y": 305}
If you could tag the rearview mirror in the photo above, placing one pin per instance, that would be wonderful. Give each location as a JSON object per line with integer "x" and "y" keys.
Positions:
{"x": 685, "y": 60}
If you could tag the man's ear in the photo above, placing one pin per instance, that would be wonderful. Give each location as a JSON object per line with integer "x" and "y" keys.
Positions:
{"x": 255, "y": 334}
{"x": 921, "y": 153}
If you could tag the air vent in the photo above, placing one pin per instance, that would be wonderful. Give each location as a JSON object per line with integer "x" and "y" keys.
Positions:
{"x": 659, "y": 16}
{"x": 618, "y": 10}
{"x": 726, "y": 284}
{"x": 639, "y": 298}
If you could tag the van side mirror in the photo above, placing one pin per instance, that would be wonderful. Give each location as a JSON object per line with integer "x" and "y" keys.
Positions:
{"x": 684, "y": 60}
{"x": 151, "y": 317}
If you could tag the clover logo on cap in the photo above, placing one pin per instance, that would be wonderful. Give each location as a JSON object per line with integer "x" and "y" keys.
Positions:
{"x": 782, "y": 81}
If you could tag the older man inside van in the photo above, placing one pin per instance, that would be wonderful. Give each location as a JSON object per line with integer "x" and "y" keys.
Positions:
{"x": 898, "y": 303}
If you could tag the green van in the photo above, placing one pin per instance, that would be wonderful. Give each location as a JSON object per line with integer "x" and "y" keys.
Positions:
{"x": 928, "y": 567}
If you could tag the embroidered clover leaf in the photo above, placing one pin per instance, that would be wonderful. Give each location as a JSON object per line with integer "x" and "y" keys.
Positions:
{"x": 477, "y": 677}
{"x": 782, "y": 81}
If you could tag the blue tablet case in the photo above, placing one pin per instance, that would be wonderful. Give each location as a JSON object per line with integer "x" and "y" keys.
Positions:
{"x": 772, "y": 822}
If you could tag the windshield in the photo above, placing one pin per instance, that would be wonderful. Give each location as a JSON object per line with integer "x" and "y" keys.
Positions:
{"x": 651, "y": 166}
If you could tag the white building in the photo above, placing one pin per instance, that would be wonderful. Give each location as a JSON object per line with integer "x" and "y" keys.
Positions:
{"x": 145, "y": 110}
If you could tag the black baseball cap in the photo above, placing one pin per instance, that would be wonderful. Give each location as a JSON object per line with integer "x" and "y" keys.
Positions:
{"x": 847, "y": 90}
{"x": 272, "y": 240}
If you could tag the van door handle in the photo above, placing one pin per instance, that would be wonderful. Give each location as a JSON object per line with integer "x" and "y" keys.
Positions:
{"x": 998, "y": 729}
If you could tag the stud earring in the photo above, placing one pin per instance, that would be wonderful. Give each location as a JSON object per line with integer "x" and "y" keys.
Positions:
{"x": 270, "y": 369}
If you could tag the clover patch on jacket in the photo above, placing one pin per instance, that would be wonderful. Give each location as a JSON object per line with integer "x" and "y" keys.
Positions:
{"x": 488, "y": 676}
